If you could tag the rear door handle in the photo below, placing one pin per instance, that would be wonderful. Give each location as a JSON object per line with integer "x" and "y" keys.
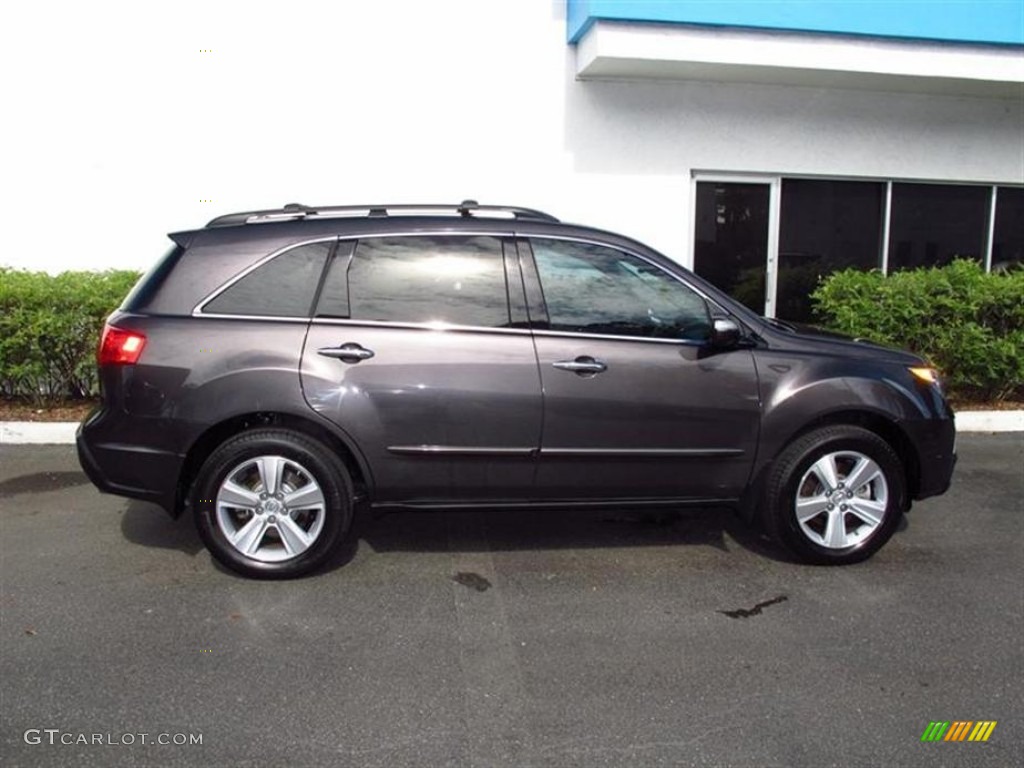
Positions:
{"x": 582, "y": 366}
{"x": 348, "y": 353}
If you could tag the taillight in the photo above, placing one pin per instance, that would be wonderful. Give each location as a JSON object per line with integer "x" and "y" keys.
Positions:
{"x": 120, "y": 346}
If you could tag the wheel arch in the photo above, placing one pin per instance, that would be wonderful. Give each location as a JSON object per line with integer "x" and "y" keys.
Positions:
{"x": 873, "y": 421}
{"x": 215, "y": 435}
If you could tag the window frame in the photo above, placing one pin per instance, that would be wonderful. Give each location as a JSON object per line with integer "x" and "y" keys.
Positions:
{"x": 344, "y": 250}
{"x": 993, "y": 220}
{"x": 774, "y": 184}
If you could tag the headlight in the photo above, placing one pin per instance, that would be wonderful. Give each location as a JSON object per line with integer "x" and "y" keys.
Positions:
{"x": 927, "y": 375}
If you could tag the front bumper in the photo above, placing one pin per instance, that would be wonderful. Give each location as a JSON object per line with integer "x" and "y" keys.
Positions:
{"x": 935, "y": 444}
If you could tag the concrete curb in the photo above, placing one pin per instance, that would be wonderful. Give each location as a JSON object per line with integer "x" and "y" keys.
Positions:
{"x": 63, "y": 432}
{"x": 990, "y": 421}
{"x": 37, "y": 432}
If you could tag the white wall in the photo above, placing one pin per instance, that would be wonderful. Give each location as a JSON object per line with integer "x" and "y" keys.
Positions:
{"x": 117, "y": 126}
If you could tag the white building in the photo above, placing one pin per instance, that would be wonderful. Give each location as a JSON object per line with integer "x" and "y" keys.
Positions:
{"x": 760, "y": 143}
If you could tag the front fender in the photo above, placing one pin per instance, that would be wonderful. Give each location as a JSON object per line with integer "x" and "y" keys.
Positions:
{"x": 798, "y": 392}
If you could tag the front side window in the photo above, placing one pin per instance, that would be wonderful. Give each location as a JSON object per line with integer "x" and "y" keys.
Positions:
{"x": 438, "y": 279}
{"x": 282, "y": 287}
{"x": 595, "y": 289}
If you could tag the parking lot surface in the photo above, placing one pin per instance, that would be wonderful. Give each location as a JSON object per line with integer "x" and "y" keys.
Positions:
{"x": 548, "y": 639}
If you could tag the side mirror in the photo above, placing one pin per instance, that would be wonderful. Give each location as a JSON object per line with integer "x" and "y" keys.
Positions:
{"x": 725, "y": 333}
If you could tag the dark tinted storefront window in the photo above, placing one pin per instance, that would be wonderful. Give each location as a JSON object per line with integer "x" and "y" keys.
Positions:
{"x": 931, "y": 224}
{"x": 824, "y": 226}
{"x": 731, "y": 240}
{"x": 1008, "y": 236}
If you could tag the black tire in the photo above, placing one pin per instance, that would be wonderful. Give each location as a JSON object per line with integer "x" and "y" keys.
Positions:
{"x": 833, "y": 537}
{"x": 305, "y": 460}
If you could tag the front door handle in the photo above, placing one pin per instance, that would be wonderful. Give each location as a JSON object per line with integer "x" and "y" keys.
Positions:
{"x": 582, "y": 366}
{"x": 348, "y": 353}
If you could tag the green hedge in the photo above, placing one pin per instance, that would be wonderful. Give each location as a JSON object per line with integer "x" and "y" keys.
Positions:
{"x": 969, "y": 324}
{"x": 49, "y": 330}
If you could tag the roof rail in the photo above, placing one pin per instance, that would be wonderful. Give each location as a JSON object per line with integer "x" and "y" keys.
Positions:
{"x": 298, "y": 212}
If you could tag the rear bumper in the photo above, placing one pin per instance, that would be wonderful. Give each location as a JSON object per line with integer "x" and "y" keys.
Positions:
{"x": 118, "y": 466}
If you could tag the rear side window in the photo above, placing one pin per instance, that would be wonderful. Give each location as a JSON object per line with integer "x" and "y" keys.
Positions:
{"x": 435, "y": 279}
{"x": 282, "y": 287}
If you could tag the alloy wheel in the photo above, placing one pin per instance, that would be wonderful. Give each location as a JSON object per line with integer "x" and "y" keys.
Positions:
{"x": 270, "y": 508}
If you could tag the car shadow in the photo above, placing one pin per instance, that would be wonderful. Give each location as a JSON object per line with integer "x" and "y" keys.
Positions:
{"x": 41, "y": 482}
{"x": 560, "y": 529}
{"x": 148, "y": 525}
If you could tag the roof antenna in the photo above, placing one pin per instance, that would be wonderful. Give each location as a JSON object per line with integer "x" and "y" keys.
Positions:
{"x": 466, "y": 207}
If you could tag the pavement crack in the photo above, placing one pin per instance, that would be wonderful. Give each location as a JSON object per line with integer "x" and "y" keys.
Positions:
{"x": 746, "y": 613}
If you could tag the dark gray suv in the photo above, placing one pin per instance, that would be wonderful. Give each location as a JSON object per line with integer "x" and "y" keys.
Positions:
{"x": 278, "y": 368}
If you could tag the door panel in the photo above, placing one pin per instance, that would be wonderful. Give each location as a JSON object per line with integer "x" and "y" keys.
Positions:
{"x": 658, "y": 422}
{"x": 636, "y": 403}
{"x": 438, "y": 414}
{"x": 416, "y": 355}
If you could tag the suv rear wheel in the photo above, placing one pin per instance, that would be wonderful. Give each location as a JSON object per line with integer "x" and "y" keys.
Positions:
{"x": 835, "y": 495}
{"x": 272, "y": 503}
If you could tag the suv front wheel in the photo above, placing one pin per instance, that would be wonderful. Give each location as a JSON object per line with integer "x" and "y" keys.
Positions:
{"x": 272, "y": 503}
{"x": 835, "y": 495}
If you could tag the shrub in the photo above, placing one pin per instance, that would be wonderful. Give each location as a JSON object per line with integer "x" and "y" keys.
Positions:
{"x": 49, "y": 330}
{"x": 968, "y": 323}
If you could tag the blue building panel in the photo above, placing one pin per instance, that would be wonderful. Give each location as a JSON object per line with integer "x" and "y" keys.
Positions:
{"x": 999, "y": 22}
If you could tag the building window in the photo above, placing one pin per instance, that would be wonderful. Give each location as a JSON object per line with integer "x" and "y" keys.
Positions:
{"x": 1008, "y": 232}
{"x": 824, "y": 226}
{"x": 731, "y": 245}
{"x": 931, "y": 224}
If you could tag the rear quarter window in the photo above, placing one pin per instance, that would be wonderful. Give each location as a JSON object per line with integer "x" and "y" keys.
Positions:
{"x": 282, "y": 287}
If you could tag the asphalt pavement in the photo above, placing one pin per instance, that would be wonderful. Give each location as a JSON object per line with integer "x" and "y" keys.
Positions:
{"x": 542, "y": 639}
